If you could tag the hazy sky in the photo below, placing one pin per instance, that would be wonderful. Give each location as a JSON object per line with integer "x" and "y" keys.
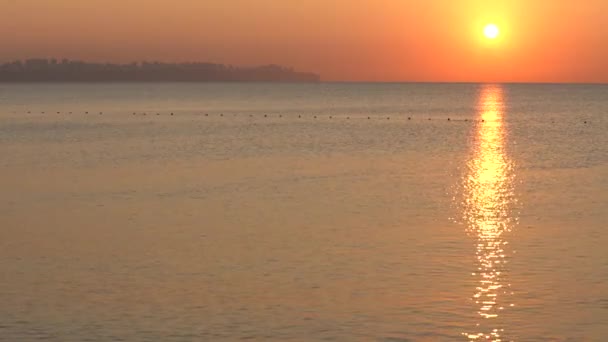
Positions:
{"x": 375, "y": 40}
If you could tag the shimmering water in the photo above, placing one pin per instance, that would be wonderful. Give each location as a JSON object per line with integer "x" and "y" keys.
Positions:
{"x": 388, "y": 212}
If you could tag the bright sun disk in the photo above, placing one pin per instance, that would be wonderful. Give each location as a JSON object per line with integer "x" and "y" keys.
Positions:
{"x": 491, "y": 31}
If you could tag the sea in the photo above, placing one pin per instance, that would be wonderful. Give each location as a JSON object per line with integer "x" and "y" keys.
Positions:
{"x": 303, "y": 212}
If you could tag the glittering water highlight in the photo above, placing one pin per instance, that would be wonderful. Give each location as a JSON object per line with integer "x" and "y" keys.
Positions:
{"x": 489, "y": 197}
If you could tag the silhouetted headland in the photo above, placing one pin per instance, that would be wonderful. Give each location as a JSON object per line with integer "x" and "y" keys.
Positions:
{"x": 51, "y": 70}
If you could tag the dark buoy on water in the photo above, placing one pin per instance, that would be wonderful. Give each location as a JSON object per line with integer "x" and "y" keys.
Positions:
{"x": 171, "y": 114}
{"x": 449, "y": 119}
{"x": 409, "y": 118}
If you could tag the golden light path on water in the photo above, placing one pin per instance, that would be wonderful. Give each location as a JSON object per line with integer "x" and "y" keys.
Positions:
{"x": 488, "y": 203}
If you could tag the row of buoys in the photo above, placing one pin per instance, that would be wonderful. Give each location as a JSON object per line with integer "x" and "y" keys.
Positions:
{"x": 100, "y": 113}
{"x": 144, "y": 114}
{"x": 368, "y": 118}
{"x": 409, "y": 118}
{"x": 30, "y": 112}
{"x": 250, "y": 115}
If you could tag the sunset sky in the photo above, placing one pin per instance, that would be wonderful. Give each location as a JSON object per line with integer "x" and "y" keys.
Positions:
{"x": 363, "y": 40}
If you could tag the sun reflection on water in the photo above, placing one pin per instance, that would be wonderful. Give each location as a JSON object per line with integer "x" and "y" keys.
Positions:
{"x": 488, "y": 203}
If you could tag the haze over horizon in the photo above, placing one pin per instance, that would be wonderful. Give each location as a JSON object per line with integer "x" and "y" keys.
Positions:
{"x": 412, "y": 41}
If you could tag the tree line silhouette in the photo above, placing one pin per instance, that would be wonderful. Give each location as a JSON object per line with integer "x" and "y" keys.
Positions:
{"x": 52, "y": 70}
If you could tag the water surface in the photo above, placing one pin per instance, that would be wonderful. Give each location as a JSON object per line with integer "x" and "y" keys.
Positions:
{"x": 388, "y": 212}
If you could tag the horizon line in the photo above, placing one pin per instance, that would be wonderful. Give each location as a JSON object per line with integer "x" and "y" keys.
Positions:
{"x": 326, "y": 82}
{"x": 471, "y": 82}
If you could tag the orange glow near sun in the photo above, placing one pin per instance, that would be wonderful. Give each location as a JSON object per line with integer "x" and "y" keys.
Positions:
{"x": 383, "y": 40}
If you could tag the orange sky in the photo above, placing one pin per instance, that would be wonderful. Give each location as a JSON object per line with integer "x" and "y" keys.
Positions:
{"x": 352, "y": 40}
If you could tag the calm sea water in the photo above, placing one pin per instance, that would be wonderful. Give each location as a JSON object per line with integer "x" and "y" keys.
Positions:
{"x": 341, "y": 212}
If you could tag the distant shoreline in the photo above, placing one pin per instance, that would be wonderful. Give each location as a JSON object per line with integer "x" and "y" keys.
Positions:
{"x": 168, "y": 82}
{"x": 68, "y": 71}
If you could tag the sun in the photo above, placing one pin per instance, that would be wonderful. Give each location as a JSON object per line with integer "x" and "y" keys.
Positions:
{"x": 491, "y": 31}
